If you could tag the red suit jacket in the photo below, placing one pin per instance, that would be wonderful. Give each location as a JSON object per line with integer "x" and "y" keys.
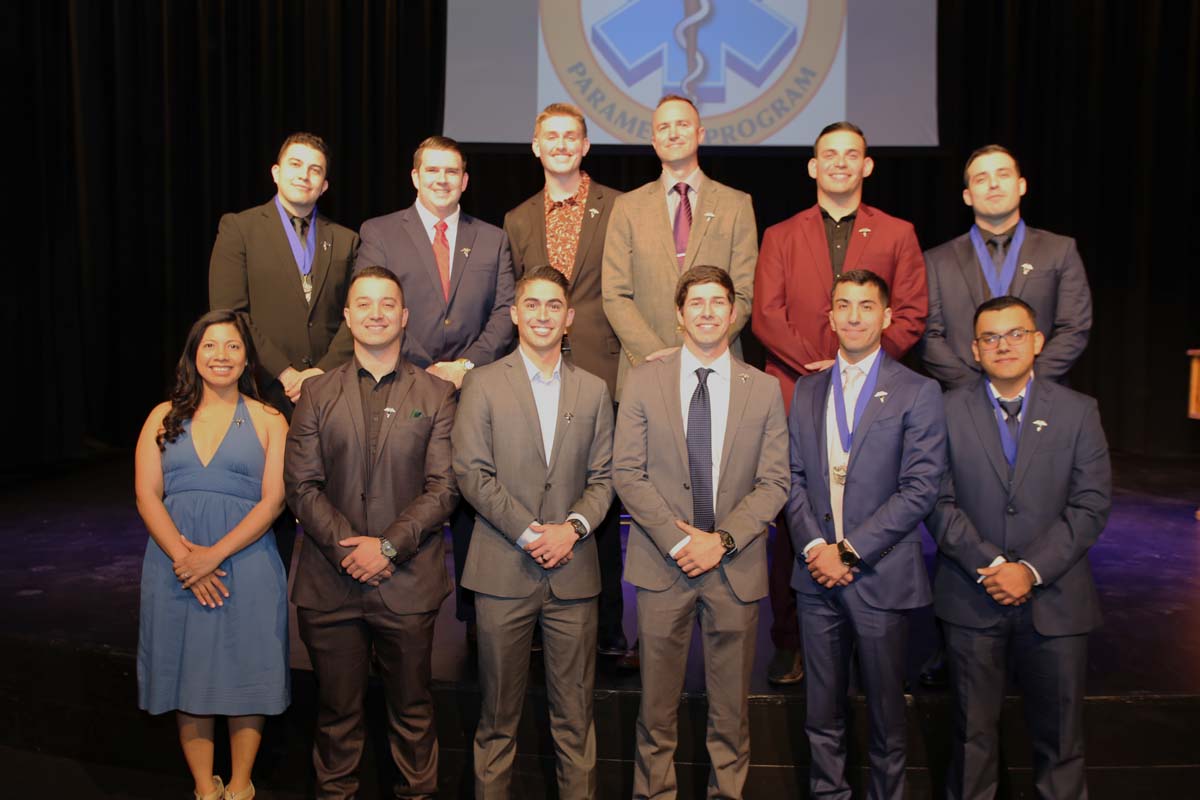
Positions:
{"x": 794, "y": 279}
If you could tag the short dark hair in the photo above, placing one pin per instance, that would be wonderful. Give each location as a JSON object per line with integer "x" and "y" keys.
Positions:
{"x": 545, "y": 272}
{"x": 667, "y": 98}
{"x": 308, "y": 140}
{"x": 834, "y": 127}
{"x": 983, "y": 151}
{"x": 999, "y": 304}
{"x": 438, "y": 143}
{"x": 702, "y": 274}
{"x": 374, "y": 272}
{"x": 864, "y": 277}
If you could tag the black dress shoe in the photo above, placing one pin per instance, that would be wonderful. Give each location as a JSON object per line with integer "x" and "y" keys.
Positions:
{"x": 630, "y": 661}
{"x": 935, "y": 677}
{"x": 616, "y": 645}
{"x": 786, "y": 667}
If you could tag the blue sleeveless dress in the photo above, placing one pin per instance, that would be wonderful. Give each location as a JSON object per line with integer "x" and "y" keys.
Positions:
{"x": 232, "y": 659}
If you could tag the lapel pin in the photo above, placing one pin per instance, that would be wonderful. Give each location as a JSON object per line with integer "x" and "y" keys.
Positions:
{"x": 389, "y": 411}
{"x": 1039, "y": 424}
{"x": 743, "y": 377}
{"x": 325, "y": 246}
{"x": 881, "y": 395}
{"x": 1026, "y": 268}
{"x": 237, "y": 421}
{"x": 568, "y": 417}
{"x": 708, "y": 215}
{"x": 864, "y": 231}
{"x": 466, "y": 251}
{"x": 592, "y": 212}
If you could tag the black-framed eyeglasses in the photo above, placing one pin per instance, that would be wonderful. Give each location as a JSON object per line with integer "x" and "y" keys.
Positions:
{"x": 992, "y": 340}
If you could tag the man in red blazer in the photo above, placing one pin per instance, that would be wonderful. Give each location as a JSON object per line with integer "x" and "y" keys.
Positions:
{"x": 793, "y": 284}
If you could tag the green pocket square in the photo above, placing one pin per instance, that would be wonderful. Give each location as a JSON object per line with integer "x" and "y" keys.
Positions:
{"x": 416, "y": 414}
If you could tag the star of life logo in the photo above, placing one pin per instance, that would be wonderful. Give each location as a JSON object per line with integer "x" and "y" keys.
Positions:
{"x": 750, "y": 66}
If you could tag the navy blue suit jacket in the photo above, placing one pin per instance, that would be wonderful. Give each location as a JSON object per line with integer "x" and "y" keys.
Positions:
{"x": 1052, "y": 512}
{"x": 475, "y": 324}
{"x": 895, "y": 468}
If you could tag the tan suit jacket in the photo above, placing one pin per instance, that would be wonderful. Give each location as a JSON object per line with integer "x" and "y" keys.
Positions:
{"x": 650, "y": 471}
{"x": 409, "y": 493}
{"x": 641, "y": 270}
{"x": 594, "y": 345}
{"x": 506, "y": 475}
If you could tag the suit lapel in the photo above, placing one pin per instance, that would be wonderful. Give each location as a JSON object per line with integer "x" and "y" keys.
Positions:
{"x": 353, "y": 400}
{"x": 702, "y": 218}
{"x": 818, "y": 249}
{"x": 1031, "y": 439}
{"x": 321, "y": 259}
{"x": 423, "y": 247}
{"x": 568, "y": 396}
{"x": 399, "y": 390}
{"x": 518, "y": 381}
{"x": 984, "y": 417}
{"x": 971, "y": 272}
{"x": 654, "y": 201}
{"x": 289, "y": 273}
{"x": 587, "y": 229}
{"x": 1025, "y": 256}
{"x": 668, "y": 385}
{"x": 535, "y": 222}
{"x": 820, "y": 411}
{"x": 888, "y": 370}
{"x": 464, "y": 243}
{"x": 859, "y": 236}
{"x": 739, "y": 394}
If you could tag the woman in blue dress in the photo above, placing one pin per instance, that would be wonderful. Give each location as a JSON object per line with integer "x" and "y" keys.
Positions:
{"x": 213, "y": 634}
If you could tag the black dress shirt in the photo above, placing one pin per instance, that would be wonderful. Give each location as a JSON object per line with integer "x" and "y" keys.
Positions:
{"x": 837, "y": 236}
{"x": 374, "y": 401}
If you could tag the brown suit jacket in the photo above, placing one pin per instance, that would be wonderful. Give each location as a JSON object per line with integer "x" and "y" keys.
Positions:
{"x": 594, "y": 345}
{"x": 650, "y": 472}
{"x": 252, "y": 269}
{"x": 506, "y": 475}
{"x": 641, "y": 270}
{"x": 405, "y": 495}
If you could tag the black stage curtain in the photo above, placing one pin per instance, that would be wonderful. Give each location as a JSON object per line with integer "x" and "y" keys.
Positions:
{"x": 136, "y": 124}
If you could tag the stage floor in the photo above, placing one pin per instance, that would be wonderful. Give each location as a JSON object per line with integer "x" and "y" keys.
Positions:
{"x": 71, "y": 547}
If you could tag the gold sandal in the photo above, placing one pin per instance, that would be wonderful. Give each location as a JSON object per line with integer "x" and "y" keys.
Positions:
{"x": 216, "y": 794}
{"x": 244, "y": 794}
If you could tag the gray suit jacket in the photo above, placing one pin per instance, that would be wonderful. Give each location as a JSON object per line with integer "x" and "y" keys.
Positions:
{"x": 475, "y": 323}
{"x": 641, "y": 270}
{"x": 1055, "y": 285}
{"x": 1050, "y": 515}
{"x": 594, "y": 345}
{"x": 506, "y": 475}
{"x": 650, "y": 471}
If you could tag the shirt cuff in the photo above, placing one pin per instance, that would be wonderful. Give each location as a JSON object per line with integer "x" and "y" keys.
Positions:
{"x": 679, "y": 546}
{"x": 811, "y": 545}
{"x": 1037, "y": 577}
{"x": 997, "y": 561}
{"x": 528, "y": 537}
{"x": 587, "y": 529}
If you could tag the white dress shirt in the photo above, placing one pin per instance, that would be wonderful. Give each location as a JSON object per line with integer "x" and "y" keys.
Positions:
{"x": 833, "y": 441}
{"x": 546, "y": 392}
{"x": 429, "y": 220}
{"x": 718, "y": 407}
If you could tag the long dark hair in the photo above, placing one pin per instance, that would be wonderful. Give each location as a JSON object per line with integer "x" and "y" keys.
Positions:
{"x": 189, "y": 388}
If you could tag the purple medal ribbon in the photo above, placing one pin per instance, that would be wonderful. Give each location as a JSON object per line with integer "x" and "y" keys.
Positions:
{"x": 999, "y": 284}
{"x": 864, "y": 395}
{"x": 304, "y": 260}
{"x": 1006, "y": 439}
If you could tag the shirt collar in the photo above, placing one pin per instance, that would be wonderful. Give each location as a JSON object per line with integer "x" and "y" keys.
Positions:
{"x": 865, "y": 364}
{"x": 847, "y": 218}
{"x": 428, "y": 219}
{"x": 688, "y": 363}
{"x": 534, "y": 372}
{"x": 1020, "y": 394}
{"x": 693, "y": 181}
{"x": 360, "y": 370}
{"x": 575, "y": 199}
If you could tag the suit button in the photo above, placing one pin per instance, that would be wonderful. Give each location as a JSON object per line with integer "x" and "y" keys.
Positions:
{"x": 1011, "y": 510}
{"x": 829, "y": 517}
{"x": 307, "y": 362}
{"x": 687, "y": 486}
{"x": 310, "y": 324}
{"x": 447, "y": 322}
{"x": 547, "y": 486}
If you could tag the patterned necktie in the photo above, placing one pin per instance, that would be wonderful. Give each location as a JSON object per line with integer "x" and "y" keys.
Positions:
{"x": 441, "y": 253}
{"x": 683, "y": 222}
{"x": 699, "y": 448}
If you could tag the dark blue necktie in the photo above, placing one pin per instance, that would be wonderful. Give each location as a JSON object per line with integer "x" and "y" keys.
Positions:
{"x": 699, "y": 446}
{"x": 1012, "y": 408}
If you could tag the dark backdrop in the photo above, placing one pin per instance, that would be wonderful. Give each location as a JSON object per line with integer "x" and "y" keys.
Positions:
{"x": 134, "y": 125}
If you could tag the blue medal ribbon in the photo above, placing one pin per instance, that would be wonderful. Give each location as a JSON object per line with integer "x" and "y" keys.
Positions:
{"x": 304, "y": 260}
{"x": 999, "y": 284}
{"x": 1006, "y": 440}
{"x": 839, "y": 403}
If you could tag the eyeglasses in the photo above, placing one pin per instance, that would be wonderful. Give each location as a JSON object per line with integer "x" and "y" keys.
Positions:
{"x": 1013, "y": 337}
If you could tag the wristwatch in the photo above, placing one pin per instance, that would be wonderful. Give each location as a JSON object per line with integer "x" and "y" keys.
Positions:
{"x": 849, "y": 557}
{"x": 727, "y": 541}
{"x": 388, "y": 549}
{"x": 580, "y": 528}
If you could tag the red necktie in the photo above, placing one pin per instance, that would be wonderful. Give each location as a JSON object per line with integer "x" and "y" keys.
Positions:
{"x": 441, "y": 253}
{"x": 683, "y": 222}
